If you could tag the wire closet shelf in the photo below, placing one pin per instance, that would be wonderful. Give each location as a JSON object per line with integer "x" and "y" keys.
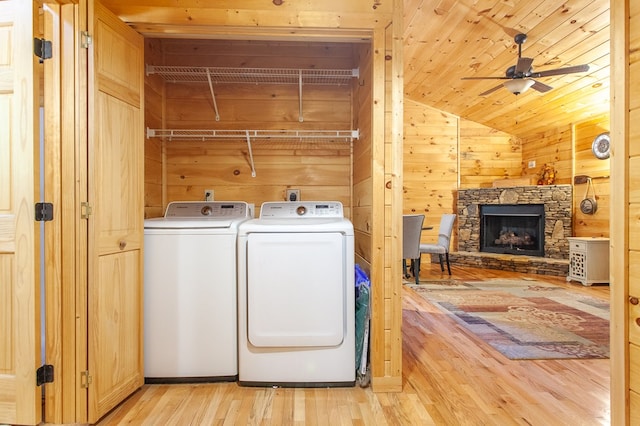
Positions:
{"x": 252, "y": 135}
{"x": 220, "y": 75}
{"x": 271, "y": 135}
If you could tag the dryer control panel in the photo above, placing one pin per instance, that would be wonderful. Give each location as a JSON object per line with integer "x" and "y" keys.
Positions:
{"x": 306, "y": 209}
{"x": 205, "y": 209}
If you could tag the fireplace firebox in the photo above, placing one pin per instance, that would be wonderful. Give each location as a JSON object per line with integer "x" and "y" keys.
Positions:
{"x": 512, "y": 229}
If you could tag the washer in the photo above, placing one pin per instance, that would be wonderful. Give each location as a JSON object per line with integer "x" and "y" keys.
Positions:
{"x": 190, "y": 292}
{"x": 296, "y": 313}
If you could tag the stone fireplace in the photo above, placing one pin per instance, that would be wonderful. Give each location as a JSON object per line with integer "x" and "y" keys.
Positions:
{"x": 555, "y": 226}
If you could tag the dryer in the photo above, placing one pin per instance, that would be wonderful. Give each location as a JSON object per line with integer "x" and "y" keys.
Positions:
{"x": 296, "y": 296}
{"x": 190, "y": 292}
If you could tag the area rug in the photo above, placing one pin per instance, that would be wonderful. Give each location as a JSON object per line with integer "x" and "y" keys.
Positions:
{"x": 525, "y": 319}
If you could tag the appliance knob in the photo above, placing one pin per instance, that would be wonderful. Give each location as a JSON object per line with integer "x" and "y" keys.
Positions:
{"x": 206, "y": 211}
{"x": 301, "y": 210}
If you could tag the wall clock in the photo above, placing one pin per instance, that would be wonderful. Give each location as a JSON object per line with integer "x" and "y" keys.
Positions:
{"x": 601, "y": 146}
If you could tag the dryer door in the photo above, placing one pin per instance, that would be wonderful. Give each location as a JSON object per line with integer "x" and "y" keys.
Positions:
{"x": 296, "y": 287}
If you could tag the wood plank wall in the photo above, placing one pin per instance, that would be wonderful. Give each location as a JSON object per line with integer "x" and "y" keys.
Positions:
{"x": 362, "y": 156}
{"x": 553, "y": 147}
{"x": 585, "y": 163}
{"x": 625, "y": 200}
{"x": 321, "y": 170}
{"x": 154, "y": 118}
{"x": 487, "y": 155}
{"x": 430, "y": 163}
{"x": 443, "y": 153}
{"x": 633, "y": 213}
{"x": 568, "y": 150}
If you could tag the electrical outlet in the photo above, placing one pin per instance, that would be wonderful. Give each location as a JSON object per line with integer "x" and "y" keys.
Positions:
{"x": 293, "y": 195}
{"x": 208, "y": 194}
{"x": 532, "y": 164}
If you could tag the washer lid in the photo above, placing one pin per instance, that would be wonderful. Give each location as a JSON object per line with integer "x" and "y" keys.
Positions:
{"x": 207, "y": 209}
{"x": 189, "y": 223}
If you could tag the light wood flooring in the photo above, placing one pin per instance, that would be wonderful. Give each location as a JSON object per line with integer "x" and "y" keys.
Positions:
{"x": 450, "y": 378}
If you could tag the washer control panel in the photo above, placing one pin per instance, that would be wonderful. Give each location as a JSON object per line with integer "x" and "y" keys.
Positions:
{"x": 306, "y": 209}
{"x": 206, "y": 209}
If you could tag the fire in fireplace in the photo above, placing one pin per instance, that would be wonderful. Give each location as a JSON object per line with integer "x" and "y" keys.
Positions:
{"x": 512, "y": 228}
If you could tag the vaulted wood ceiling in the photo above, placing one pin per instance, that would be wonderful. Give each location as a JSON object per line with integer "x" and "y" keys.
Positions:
{"x": 446, "y": 40}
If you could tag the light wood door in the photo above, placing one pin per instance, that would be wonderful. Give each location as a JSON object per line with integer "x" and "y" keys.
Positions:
{"x": 116, "y": 197}
{"x": 19, "y": 292}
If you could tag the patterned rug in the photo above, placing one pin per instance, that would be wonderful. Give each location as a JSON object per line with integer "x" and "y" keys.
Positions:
{"x": 525, "y": 319}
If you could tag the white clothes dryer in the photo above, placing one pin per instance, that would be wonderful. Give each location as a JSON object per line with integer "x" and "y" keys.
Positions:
{"x": 190, "y": 292}
{"x": 296, "y": 296}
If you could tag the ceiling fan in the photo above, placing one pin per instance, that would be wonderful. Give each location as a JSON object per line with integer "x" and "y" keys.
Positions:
{"x": 520, "y": 77}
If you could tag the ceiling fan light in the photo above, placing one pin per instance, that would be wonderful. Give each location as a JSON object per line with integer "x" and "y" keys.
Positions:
{"x": 518, "y": 85}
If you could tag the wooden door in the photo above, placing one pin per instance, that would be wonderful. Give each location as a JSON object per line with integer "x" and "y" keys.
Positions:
{"x": 19, "y": 291}
{"x": 116, "y": 198}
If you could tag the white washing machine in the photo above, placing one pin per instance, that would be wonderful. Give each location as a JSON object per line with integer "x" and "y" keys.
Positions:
{"x": 296, "y": 313}
{"x": 190, "y": 292}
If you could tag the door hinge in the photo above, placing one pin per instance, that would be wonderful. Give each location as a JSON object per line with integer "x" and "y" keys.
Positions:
{"x": 87, "y": 40}
{"x": 85, "y": 210}
{"x": 42, "y": 49}
{"x": 44, "y": 212}
{"x": 85, "y": 379}
{"x": 44, "y": 375}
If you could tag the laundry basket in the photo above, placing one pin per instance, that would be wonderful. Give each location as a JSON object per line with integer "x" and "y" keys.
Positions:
{"x": 363, "y": 316}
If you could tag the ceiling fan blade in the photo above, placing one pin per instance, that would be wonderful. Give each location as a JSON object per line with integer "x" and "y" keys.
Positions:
{"x": 524, "y": 65}
{"x": 490, "y": 91}
{"x": 541, "y": 87}
{"x": 485, "y": 78}
{"x": 560, "y": 71}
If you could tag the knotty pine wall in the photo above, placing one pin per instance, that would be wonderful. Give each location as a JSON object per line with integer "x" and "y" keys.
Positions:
{"x": 487, "y": 155}
{"x": 553, "y": 147}
{"x": 568, "y": 150}
{"x": 625, "y": 203}
{"x": 362, "y": 164}
{"x": 321, "y": 170}
{"x": 153, "y": 148}
{"x": 585, "y": 163}
{"x": 443, "y": 153}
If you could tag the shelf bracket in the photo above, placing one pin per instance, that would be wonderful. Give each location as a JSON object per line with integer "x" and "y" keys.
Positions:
{"x": 213, "y": 96}
{"x": 300, "y": 117}
{"x": 253, "y": 168}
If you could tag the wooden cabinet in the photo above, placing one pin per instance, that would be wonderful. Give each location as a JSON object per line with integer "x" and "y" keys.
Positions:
{"x": 588, "y": 260}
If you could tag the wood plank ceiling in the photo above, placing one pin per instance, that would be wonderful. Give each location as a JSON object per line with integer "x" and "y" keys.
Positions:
{"x": 446, "y": 40}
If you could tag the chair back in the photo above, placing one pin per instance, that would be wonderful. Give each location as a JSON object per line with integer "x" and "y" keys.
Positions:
{"x": 411, "y": 233}
{"x": 445, "y": 230}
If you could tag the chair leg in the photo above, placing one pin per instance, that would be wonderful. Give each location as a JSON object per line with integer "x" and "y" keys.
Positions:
{"x": 404, "y": 268}
{"x": 441, "y": 264}
{"x": 448, "y": 266}
{"x": 416, "y": 270}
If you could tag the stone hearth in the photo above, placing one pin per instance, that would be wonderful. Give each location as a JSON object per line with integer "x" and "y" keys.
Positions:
{"x": 557, "y": 200}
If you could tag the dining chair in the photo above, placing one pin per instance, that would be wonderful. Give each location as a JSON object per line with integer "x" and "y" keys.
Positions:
{"x": 441, "y": 247}
{"x": 411, "y": 233}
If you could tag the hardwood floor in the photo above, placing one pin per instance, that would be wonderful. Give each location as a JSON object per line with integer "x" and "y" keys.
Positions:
{"x": 450, "y": 378}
